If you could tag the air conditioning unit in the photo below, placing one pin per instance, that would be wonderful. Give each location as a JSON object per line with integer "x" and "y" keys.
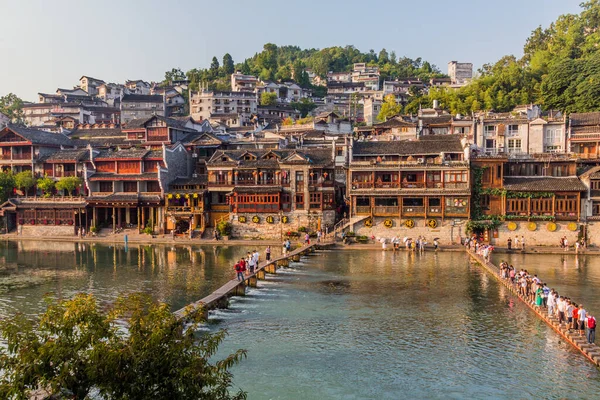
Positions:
{"x": 421, "y": 160}
{"x": 194, "y": 175}
{"x": 194, "y": 155}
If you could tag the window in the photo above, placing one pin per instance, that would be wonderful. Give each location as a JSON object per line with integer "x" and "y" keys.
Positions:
{"x": 514, "y": 145}
{"x": 596, "y": 208}
{"x": 490, "y": 144}
{"x": 152, "y": 186}
{"x": 489, "y": 130}
{"x": 485, "y": 202}
{"x": 299, "y": 201}
{"x": 513, "y": 130}
{"x": 315, "y": 200}
{"x": 595, "y": 185}
{"x": 339, "y": 151}
{"x": 130, "y": 186}
{"x": 456, "y": 176}
{"x": 106, "y": 187}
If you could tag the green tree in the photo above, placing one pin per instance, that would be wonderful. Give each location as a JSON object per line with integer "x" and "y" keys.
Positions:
{"x": 76, "y": 346}
{"x": 214, "y": 67}
{"x": 383, "y": 56}
{"x": 68, "y": 183}
{"x": 45, "y": 184}
{"x": 304, "y": 106}
{"x": 228, "y": 67}
{"x": 284, "y": 73}
{"x": 7, "y": 184}
{"x": 268, "y": 99}
{"x": 24, "y": 181}
{"x": 389, "y": 108}
{"x": 175, "y": 74}
{"x": 12, "y": 106}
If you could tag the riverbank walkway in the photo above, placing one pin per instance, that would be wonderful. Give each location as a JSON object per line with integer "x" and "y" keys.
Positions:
{"x": 590, "y": 351}
{"x": 220, "y": 297}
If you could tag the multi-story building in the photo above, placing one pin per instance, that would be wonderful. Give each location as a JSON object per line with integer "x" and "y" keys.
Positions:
{"x": 243, "y": 83}
{"x": 21, "y": 148}
{"x": 369, "y": 75}
{"x": 111, "y": 93}
{"x": 417, "y": 187}
{"x": 460, "y": 73}
{"x": 137, "y": 86}
{"x": 274, "y": 190}
{"x": 584, "y": 134}
{"x": 402, "y": 86}
{"x": 235, "y": 108}
{"x": 339, "y": 77}
{"x": 126, "y": 186}
{"x": 532, "y": 194}
{"x": 90, "y": 85}
{"x": 137, "y": 106}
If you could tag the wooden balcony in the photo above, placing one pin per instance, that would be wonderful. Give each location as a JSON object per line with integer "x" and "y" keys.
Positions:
{"x": 184, "y": 209}
{"x": 434, "y": 211}
{"x": 387, "y": 185}
{"x": 413, "y": 211}
{"x": 413, "y": 185}
{"x": 21, "y": 156}
{"x": 258, "y": 208}
{"x": 385, "y": 211}
{"x": 363, "y": 210}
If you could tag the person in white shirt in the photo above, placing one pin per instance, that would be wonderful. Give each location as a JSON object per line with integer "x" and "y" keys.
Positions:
{"x": 582, "y": 317}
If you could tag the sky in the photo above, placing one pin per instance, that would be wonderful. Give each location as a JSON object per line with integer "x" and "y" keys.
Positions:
{"x": 45, "y": 45}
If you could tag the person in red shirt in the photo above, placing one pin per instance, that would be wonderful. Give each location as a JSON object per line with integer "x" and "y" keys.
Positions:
{"x": 238, "y": 271}
{"x": 575, "y": 318}
{"x": 590, "y": 323}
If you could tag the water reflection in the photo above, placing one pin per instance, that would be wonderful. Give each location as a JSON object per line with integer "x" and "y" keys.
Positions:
{"x": 175, "y": 274}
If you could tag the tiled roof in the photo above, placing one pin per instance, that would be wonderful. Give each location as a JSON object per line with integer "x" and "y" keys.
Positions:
{"x": 109, "y": 176}
{"x": 442, "y": 119}
{"x": 544, "y": 184}
{"x": 36, "y": 136}
{"x": 142, "y": 98}
{"x": 426, "y": 145}
{"x": 123, "y": 153}
{"x": 138, "y": 123}
{"x": 305, "y": 156}
{"x": 96, "y": 133}
{"x": 70, "y": 155}
{"x": 591, "y": 118}
{"x": 394, "y": 122}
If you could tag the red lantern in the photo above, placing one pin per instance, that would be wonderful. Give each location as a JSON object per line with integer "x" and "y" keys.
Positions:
{"x": 325, "y": 174}
{"x": 32, "y": 222}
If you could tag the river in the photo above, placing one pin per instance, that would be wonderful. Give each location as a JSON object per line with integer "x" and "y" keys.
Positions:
{"x": 345, "y": 324}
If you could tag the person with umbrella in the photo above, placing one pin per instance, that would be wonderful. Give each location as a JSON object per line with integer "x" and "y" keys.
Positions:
{"x": 436, "y": 243}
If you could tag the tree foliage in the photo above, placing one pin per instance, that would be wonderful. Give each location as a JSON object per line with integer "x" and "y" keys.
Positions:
{"x": 175, "y": 74}
{"x": 268, "y": 99}
{"x": 68, "y": 183}
{"x": 76, "y": 347}
{"x": 7, "y": 184}
{"x": 45, "y": 184}
{"x": 12, "y": 106}
{"x": 228, "y": 66}
{"x": 560, "y": 69}
{"x": 389, "y": 108}
{"x": 24, "y": 180}
{"x": 304, "y": 106}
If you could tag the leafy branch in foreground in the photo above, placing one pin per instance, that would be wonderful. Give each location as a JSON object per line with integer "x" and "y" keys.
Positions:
{"x": 136, "y": 349}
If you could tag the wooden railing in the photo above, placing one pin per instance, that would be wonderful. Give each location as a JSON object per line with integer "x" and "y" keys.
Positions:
{"x": 363, "y": 210}
{"x": 413, "y": 210}
{"x": 386, "y": 210}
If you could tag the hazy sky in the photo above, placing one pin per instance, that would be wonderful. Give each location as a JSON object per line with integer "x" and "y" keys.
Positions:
{"x": 45, "y": 44}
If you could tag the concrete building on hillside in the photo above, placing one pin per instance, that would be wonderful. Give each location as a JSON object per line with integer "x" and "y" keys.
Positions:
{"x": 136, "y": 106}
{"x": 460, "y": 73}
{"x": 90, "y": 85}
{"x": 233, "y": 108}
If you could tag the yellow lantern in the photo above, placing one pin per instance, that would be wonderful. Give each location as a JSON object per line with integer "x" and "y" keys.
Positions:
{"x": 572, "y": 226}
{"x": 532, "y": 226}
{"x": 512, "y": 226}
{"x": 551, "y": 226}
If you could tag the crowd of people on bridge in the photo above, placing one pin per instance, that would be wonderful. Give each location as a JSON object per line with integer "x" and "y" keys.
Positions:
{"x": 573, "y": 316}
{"x": 532, "y": 289}
{"x": 247, "y": 265}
